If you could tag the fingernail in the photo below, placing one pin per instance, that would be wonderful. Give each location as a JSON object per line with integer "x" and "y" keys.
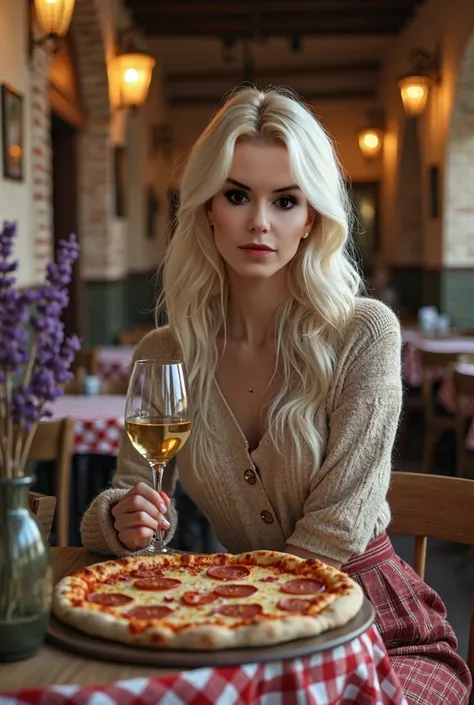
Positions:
{"x": 165, "y": 523}
{"x": 162, "y": 508}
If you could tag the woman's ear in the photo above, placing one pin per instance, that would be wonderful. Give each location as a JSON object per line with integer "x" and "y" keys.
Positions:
{"x": 313, "y": 218}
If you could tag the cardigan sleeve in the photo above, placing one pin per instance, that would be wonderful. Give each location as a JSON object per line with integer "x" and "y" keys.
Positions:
{"x": 348, "y": 492}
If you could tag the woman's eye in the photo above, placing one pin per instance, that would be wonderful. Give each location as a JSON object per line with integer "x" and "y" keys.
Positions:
{"x": 286, "y": 202}
{"x": 236, "y": 197}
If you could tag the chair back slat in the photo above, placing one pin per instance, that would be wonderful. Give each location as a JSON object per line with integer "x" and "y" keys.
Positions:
{"x": 432, "y": 505}
{"x": 54, "y": 441}
{"x": 43, "y": 507}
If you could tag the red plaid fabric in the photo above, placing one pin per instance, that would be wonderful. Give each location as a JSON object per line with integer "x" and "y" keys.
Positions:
{"x": 411, "y": 619}
{"x": 358, "y": 672}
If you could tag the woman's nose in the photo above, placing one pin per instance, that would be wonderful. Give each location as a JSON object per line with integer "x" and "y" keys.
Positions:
{"x": 259, "y": 220}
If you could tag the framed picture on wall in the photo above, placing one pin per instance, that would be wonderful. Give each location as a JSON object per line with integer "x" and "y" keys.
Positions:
{"x": 12, "y": 133}
{"x": 120, "y": 175}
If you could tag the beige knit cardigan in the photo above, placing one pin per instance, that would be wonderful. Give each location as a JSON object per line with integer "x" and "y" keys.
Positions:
{"x": 333, "y": 508}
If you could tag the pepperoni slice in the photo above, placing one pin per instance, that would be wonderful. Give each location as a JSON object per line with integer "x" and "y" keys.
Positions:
{"x": 151, "y": 612}
{"x": 235, "y": 590}
{"x": 228, "y": 572}
{"x": 239, "y": 611}
{"x": 111, "y": 599}
{"x": 198, "y": 598}
{"x": 157, "y": 584}
{"x": 293, "y": 604}
{"x": 303, "y": 586}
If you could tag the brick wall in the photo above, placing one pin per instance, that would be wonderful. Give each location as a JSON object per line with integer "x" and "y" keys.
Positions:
{"x": 41, "y": 160}
{"x": 95, "y": 150}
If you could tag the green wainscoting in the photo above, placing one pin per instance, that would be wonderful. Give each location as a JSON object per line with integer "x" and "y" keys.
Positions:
{"x": 114, "y": 306}
{"x": 458, "y": 297}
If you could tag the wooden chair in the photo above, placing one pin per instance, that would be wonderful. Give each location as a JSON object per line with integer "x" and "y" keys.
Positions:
{"x": 43, "y": 508}
{"x": 54, "y": 440}
{"x": 436, "y": 507}
{"x": 135, "y": 334}
{"x": 436, "y": 424}
{"x": 463, "y": 387}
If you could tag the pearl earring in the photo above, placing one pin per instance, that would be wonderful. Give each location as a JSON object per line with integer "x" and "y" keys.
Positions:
{"x": 305, "y": 236}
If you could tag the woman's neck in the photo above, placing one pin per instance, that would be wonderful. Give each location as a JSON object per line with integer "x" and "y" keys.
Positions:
{"x": 252, "y": 308}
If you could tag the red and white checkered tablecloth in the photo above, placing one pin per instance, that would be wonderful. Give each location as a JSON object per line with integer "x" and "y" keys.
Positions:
{"x": 114, "y": 362}
{"x": 358, "y": 672}
{"x": 98, "y": 421}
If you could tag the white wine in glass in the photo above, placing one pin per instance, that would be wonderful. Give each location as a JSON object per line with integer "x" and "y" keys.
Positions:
{"x": 158, "y": 419}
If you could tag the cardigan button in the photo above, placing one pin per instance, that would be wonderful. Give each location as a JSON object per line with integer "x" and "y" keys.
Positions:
{"x": 266, "y": 517}
{"x": 249, "y": 476}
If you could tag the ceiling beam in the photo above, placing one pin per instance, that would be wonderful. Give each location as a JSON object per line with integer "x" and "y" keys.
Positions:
{"x": 241, "y": 27}
{"x": 233, "y": 76}
{"x": 217, "y": 99}
{"x": 196, "y": 8}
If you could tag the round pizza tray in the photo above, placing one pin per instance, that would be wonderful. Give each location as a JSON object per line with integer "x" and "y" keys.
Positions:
{"x": 70, "y": 639}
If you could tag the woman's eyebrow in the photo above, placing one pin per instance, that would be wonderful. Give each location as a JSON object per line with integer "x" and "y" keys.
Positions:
{"x": 277, "y": 190}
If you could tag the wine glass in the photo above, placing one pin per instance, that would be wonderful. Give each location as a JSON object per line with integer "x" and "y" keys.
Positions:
{"x": 158, "y": 419}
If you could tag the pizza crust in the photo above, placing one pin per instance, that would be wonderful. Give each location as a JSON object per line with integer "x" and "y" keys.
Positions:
{"x": 285, "y": 627}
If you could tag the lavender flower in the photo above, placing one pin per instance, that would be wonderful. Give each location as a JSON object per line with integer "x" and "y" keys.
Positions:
{"x": 40, "y": 361}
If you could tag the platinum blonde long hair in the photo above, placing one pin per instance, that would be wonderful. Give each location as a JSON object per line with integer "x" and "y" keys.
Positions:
{"x": 323, "y": 280}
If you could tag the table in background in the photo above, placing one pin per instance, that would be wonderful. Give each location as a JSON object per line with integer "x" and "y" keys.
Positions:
{"x": 114, "y": 362}
{"x": 412, "y": 371}
{"x": 359, "y": 671}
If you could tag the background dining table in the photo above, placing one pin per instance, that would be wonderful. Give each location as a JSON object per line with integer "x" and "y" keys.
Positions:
{"x": 358, "y": 671}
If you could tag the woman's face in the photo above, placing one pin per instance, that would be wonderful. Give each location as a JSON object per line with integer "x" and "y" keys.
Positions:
{"x": 260, "y": 215}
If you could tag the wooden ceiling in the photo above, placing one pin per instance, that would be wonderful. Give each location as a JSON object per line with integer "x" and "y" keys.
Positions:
{"x": 270, "y": 18}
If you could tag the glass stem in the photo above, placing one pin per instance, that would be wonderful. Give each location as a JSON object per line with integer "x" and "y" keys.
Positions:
{"x": 157, "y": 472}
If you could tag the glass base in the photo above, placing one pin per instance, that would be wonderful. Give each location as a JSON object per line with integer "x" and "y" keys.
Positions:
{"x": 156, "y": 549}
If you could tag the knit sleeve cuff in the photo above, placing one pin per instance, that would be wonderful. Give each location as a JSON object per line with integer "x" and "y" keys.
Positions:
{"x": 98, "y": 532}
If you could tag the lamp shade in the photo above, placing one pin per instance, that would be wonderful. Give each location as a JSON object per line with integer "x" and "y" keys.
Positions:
{"x": 414, "y": 91}
{"x": 133, "y": 74}
{"x": 370, "y": 142}
{"x": 54, "y": 16}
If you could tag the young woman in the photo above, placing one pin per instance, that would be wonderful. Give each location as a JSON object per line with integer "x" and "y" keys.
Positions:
{"x": 294, "y": 379}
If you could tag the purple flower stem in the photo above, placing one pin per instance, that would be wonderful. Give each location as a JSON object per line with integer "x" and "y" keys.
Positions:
{"x": 8, "y": 423}
{"x": 27, "y": 444}
{"x": 20, "y": 438}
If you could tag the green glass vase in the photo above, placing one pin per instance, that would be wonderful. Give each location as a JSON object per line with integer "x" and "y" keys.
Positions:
{"x": 25, "y": 574}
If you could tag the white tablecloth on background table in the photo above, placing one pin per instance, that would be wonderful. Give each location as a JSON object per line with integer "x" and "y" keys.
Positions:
{"x": 98, "y": 421}
{"x": 114, "y": 362}
{"x": 412, "y": 373}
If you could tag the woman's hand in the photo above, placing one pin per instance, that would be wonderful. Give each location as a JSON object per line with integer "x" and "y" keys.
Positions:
{"x": 138, "y": 514}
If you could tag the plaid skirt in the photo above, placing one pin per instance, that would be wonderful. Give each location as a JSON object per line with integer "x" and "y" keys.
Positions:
{"x": 411, "y": 619}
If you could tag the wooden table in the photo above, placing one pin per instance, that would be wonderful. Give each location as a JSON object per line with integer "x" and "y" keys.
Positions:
{"x": 53, "y": 666}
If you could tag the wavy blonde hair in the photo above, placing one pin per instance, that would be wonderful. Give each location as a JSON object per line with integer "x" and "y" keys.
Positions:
{"x": 323, "y": 280}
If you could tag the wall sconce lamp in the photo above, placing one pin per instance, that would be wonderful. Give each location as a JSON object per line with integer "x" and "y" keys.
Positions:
{"x": 133, "y": 70}
{"x": 54, "y": 19}
{"x": 370, "y": 137}
{"x": 415, "y": 85}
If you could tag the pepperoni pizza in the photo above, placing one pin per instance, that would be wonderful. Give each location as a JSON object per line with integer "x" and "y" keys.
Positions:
{"x": 217, "y": 601}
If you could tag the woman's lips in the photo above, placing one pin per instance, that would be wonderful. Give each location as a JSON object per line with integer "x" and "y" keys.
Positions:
{"x": 256, "y": 250}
